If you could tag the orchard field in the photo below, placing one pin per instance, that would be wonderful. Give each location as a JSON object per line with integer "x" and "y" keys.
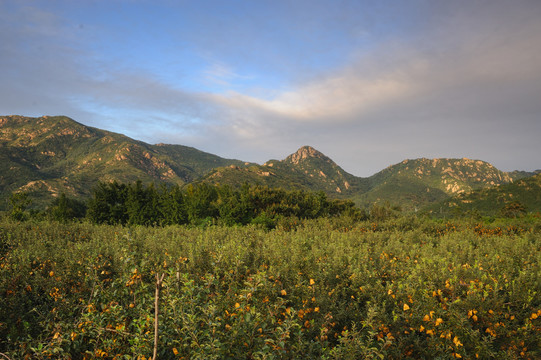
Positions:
{"x": 317, "y": 289}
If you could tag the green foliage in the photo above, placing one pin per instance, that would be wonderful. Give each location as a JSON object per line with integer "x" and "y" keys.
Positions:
{"x": 383, "y": 212}
{"x": 108, "y": 204}
{"x": 513, "y": 210}
{"x": 403, "y": 288}
{"x": 142, "y": 204}
{"x": 199, "y": 202}
{"x": 203, "y": 204}
{"x": 19, "y": 203}
{"x": 524, "y": 195}
{"x": 64, "y": 209}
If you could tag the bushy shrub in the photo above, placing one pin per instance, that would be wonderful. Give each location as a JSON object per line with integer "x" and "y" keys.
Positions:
{"x": 318, "y": 290}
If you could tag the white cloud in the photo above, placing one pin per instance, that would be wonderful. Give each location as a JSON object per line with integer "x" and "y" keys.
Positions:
{"x": 222, "y": 74}
{"x": 464, "y": 90}
{"x": 467, "y": 77}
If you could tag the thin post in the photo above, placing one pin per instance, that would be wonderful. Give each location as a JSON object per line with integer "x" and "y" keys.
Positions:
{"x": 159, "y": 280}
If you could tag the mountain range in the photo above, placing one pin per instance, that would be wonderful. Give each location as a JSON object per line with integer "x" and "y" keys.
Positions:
{"x": 50, "y": 155}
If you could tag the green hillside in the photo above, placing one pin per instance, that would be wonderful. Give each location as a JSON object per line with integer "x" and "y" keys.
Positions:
{"x": 49, "y": 155}
{"x": 413, "y": 184}
{"x": 525, "y": 192}
{"x": 322, "y": 172}
{"x": 306, "y": 169}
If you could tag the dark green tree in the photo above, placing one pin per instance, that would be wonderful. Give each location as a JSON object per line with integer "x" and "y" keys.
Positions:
{"x": 19, "y": 203}
{"x": 108, "y": 204}
{"x": 64, "y": 209}
{"x": 171, "y": 206}
{"x": 231, "y": 207}
{"x": 199, "y": 202}
{"x": 142, "y": 204}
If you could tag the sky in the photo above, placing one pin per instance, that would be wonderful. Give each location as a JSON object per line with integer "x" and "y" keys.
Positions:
{"x": 368, "y": 83}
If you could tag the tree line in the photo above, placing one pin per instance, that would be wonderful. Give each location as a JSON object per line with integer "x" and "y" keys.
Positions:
{"x": 137, "y": 204}
{"x": 195, "y": 204}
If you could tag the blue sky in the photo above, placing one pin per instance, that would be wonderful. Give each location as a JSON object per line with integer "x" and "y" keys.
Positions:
{"x": 368, "y": 83}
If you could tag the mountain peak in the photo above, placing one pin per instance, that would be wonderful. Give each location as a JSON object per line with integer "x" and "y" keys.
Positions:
{"x": 306, "y": 152}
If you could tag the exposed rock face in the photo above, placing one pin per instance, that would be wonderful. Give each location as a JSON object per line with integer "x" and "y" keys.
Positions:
{"x": 306, "y": 152}
{"x": 323, "y": 172}
{"x": 450, "y": 175}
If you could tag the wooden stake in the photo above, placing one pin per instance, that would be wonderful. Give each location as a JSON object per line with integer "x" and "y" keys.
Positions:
{"x": 159, "y": 280}
{"x": 2, "y": 354}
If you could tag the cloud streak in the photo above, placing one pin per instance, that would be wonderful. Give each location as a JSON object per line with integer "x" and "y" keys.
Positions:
{"x": 471, "y": 95}
{"x": 440, "y": 80}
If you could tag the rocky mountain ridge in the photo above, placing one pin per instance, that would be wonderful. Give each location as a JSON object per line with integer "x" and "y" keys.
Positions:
{"x": 53, "y": 154}
{"x": 522, "y": 194}
{"x": 49, "y": 155}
